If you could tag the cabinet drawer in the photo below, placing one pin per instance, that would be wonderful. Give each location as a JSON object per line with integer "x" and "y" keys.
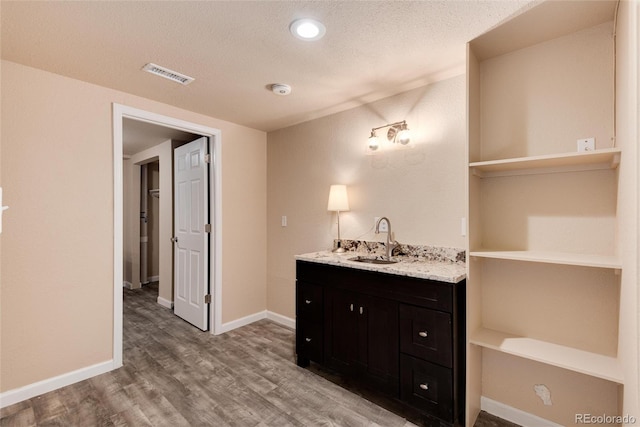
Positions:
{"x": 309, "y": 301}
{"x": 427, "y": 386}
{"x": 309, "y": 340}
{"x": 426, "y": 334}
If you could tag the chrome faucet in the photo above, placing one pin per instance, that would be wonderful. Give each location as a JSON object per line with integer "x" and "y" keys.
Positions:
{"x": 391, "y": 244}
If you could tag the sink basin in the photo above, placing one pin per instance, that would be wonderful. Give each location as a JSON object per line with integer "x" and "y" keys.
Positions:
{"x": 372, "y": 260}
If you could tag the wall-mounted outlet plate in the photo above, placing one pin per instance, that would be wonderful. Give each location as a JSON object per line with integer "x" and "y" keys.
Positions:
{"x": 384, "y": 225}
{"x": 586, "y": 144}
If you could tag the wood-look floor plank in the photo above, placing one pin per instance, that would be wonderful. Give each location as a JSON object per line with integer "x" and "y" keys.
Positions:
{"x": 177, "y": 375}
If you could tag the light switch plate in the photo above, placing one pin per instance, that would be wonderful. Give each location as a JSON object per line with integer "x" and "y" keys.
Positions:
{"x": 586, "y": 144}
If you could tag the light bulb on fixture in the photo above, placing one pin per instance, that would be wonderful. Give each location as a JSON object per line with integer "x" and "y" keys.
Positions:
{"x": 373, "y": 141}
{"x": 404, "y": 136}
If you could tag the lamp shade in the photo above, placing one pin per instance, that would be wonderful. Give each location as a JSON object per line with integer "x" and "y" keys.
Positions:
{"x": 338, "y": 200}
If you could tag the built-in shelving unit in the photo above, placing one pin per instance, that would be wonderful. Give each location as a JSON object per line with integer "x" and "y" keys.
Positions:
{"x": 565, "y": 258}
{"x": 564, "y": 162}
{"x": 584, "y": 362}
{"x": 542, "y": 216}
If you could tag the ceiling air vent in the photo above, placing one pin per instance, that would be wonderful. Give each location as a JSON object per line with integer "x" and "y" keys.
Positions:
{"x": 168, "y": 74}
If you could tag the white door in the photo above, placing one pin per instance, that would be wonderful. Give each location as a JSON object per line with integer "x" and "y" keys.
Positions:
{"x": 191, "y": 241}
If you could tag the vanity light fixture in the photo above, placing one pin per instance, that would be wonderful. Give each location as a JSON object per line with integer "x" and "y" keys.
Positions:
{"x": 338, "y": 201}
{"x": 307, "y": 29}
{"x": 398, "y": 133}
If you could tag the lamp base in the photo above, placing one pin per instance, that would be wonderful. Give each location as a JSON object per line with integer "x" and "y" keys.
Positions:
{"x": 339, "y": 250}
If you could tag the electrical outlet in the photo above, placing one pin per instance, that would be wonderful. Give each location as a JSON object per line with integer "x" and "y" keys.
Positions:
{"x": 586, "y": 144}
{"x": 384, "y": 225}
{"x": 284, "y": 220}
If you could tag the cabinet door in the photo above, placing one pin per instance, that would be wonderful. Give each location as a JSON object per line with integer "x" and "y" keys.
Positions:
{"x": 378, "y": 340}
{"x": 341, "y": 329}
{"x": 362, "y": 337}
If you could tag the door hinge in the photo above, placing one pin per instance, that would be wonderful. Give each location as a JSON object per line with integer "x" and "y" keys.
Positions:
{"x": 207, "y": 158}
{"x": 207, "y": 299}
{"x": 207, "y": 228}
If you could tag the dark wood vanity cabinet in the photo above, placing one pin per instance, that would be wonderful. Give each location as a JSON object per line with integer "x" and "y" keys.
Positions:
{"x": 398, "y": 335}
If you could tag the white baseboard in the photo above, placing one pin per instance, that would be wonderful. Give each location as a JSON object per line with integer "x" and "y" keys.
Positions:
{"x": 514, "y": 415}
{"x": 153, "y": 278}
{"x": 11, "y": 397}
{"x": 265, "y": 314}
{"x": 281, "y": 320}
{"x": 127, "y": 285}
{"x": 243, "y": 321}
{"x": 165, "y": 302}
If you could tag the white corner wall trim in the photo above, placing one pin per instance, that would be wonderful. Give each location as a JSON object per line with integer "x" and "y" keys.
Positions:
{"x": 265, "y": 314}
{"x": 165, "y": 302}
{"x": 514, "y": 415}
{"x": 11, "y": 397}
{"x": 281, "y": 320}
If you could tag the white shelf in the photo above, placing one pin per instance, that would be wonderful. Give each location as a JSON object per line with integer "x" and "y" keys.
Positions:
{"x": 584, "y": 362}
{"x": 566, "y": 162}
{"x": 565, "y": 258}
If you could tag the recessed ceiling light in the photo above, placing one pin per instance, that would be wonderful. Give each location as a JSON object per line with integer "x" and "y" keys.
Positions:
{"x": 307, "y": 29}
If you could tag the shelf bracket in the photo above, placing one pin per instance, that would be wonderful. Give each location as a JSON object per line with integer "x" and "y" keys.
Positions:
{"x": 615, "y": 161}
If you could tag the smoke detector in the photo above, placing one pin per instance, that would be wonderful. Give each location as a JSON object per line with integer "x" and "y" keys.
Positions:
{"x": 281, "y": 89}
{"x": 174, "y": 76}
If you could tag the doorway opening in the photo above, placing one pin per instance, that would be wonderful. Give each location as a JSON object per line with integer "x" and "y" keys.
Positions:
{"x": 128, "y": 165}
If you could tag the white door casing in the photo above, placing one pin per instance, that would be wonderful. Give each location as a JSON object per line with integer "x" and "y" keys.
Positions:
{"x": 121, "y": 112}
{"x": 191, "y": 241}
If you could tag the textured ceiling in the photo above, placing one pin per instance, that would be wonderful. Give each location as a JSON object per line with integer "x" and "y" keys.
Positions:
{"x": 235, "y": 49}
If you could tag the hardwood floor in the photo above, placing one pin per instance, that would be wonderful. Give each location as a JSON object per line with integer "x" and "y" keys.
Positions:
{"x": 176, "y": 375}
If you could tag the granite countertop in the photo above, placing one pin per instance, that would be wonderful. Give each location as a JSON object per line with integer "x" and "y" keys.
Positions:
{"x": 407, "y": 265}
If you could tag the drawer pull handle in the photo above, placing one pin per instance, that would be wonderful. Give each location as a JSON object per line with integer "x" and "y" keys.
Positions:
{"x": 307, "y": 301}
{"x": 351, "y": 307}
{"x": 361, "y": 310}
{"x": 307, "y": 339}
{"x": 424, "y": 386}
{"x": 423, "y": 334}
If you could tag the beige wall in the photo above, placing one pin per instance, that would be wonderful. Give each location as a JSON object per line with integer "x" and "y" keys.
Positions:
{"x": 57, "y": 263}
{"x": 516, "y": 87}
{"x": 420, "y": 189}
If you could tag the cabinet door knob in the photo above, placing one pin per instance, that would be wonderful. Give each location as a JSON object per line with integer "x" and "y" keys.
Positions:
{"x": 361, "y": 310}
{"x": 307, "y": 301}
{"x": 424, "y": 386}
{"x": 351, "y": 307}
{"x": 423, "y": 334}
{"x": 307, "y": 339}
